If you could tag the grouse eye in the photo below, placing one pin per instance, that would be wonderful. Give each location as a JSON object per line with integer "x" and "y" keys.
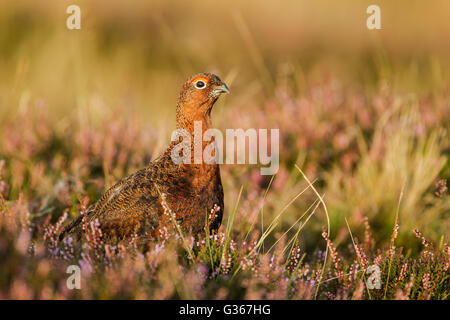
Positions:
{"x": 200, "y": 84}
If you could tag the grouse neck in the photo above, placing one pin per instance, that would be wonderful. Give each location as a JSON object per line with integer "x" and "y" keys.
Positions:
{"x": 202, "y": 147}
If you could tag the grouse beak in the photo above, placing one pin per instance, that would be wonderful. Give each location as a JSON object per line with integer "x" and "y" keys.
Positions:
{"x": 217, "y": 91}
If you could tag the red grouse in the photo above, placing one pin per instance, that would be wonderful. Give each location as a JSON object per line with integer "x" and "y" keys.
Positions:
{"x": 134, "y": 205}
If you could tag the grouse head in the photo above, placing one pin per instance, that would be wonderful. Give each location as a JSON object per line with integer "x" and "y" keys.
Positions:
{"x": 197, "y": 98}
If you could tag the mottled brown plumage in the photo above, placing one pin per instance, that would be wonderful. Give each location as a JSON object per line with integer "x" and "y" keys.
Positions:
{"x": 134, "y": 205}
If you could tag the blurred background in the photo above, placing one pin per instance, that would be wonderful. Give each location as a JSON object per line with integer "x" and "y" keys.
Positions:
{"x": 365, "y": 113}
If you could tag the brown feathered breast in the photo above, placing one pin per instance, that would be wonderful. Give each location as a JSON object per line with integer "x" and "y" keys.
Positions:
{"x": 134, "y": 206}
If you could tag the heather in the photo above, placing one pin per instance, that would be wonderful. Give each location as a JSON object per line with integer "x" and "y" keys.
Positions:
{"x": 364, "y": 149}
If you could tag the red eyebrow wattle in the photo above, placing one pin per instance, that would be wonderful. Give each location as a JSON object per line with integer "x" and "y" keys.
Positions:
{"x": 200, "y": 78}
